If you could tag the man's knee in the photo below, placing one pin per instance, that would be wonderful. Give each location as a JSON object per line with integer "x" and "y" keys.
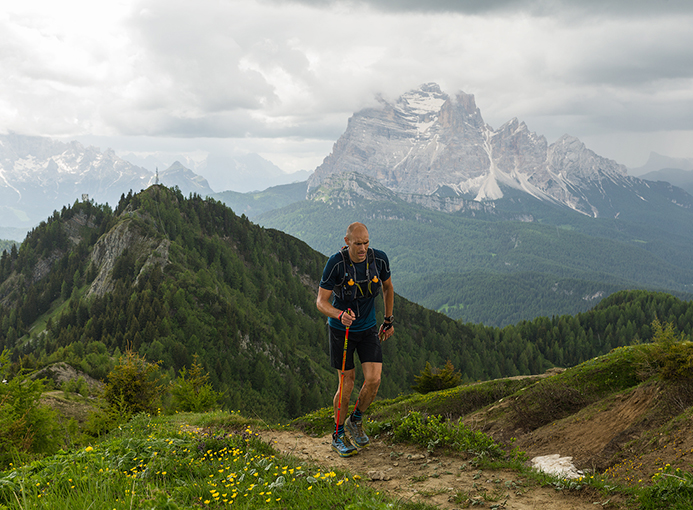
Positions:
{"x": 372, "y": 381}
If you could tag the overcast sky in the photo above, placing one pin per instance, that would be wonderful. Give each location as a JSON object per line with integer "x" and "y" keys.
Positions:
{"x": 281, "y": 78}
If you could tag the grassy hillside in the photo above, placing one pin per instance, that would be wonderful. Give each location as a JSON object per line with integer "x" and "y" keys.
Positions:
{"x": 624, "y": 418}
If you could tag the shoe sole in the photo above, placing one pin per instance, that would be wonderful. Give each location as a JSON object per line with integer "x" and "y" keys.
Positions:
{"x": 349, "y": 454}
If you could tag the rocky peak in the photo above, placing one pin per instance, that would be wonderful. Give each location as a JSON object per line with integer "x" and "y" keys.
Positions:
{"x": 426, "y": 140}
{"x": 421, "y": 107}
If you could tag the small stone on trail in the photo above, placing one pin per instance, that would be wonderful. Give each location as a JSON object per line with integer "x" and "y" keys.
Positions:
{"x": 378, "y": 475}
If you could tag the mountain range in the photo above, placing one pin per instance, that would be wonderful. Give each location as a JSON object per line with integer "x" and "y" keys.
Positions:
{"x": 239, "y": 173}
{"x": 656, "y": 162}
{"x": 432, "y": 144}
{"x": 39, "y": 175}
{"x": 499, "y": 206}
{"x": 676, "y": 171}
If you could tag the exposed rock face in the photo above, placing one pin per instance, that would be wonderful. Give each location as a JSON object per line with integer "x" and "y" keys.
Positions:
{"x": 427, "y": 140}
{"x": 61, "y": 372}
{"x": 108, "y": 248}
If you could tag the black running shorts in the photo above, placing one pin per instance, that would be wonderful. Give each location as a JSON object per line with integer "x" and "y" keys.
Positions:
{"x": 365, "y": 343}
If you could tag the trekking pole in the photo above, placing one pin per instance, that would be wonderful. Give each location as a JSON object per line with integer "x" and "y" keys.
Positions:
{"x": 341, "y": 378}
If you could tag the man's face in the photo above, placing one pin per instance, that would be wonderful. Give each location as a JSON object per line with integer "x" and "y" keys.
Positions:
{"x": 358, "y": 244}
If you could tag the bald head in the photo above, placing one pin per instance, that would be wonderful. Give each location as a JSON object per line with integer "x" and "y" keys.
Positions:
{"x": 355, "y": 228}
{"x": 357, "y": 240}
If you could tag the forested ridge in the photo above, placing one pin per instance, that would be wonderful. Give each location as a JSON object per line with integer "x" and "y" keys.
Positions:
{"x": 242, "y": 298}
{"x": 452, "y": 261}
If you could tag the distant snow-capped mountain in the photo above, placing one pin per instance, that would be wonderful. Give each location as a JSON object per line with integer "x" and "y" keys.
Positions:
{"x": 39, "y": 175}
{"x": 427, "y": 143}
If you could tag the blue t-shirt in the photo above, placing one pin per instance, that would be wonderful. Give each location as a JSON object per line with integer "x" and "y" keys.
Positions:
{"x": 363, "y": 307}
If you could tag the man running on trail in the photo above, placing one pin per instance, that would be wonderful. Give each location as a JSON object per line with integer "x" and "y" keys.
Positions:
{"x": 354, "y": 277}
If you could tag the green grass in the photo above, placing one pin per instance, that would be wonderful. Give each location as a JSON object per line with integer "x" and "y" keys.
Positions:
{"x": 451, "y": 403}
{"x": 180, "y": 462}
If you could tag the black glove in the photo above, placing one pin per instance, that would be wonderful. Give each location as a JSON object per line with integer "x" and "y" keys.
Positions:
{"x": 387, "y": 324}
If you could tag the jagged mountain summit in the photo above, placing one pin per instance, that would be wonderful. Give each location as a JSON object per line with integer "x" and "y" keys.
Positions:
{"x": 39, "y": 175}
{"x": 429, "y": 143}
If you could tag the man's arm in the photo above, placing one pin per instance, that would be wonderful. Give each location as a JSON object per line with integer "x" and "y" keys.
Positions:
{"x": 325, "y": 307}
{"x": 389, "y": 300}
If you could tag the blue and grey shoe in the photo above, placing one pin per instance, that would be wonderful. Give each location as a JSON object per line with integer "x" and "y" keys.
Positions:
{"x": 343, "y": 446}
{"x": 355, "y": 430}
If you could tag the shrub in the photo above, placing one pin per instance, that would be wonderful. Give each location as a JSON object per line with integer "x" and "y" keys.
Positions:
{"x": 192, "y": 391}
{"x": 670, "y": 356}
{"x": 134, "y": 385}
{"x": 435, "y": 379}
{"x": 26, "y": 427}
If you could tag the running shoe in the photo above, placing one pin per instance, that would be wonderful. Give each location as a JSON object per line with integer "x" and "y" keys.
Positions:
{"x": 343, "y": 446}
{"x": 355, "y": 430}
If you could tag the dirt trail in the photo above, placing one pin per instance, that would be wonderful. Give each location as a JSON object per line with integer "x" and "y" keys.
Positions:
{"x": 410, "y": 473}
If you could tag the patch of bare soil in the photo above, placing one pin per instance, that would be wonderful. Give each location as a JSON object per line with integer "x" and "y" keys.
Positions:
{"x": 593, "y": 435}
{"x": 624, "y": 437}
{"x": 412, "y": 474}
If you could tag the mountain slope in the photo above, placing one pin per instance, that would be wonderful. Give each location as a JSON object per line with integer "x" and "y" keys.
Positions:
{"x": 500, "y": 202}
{"x": 255, "y": 203}
{"x": 675, "y": 176}
{"x": 171, "y": 277}
{"x": 434, "y": 253}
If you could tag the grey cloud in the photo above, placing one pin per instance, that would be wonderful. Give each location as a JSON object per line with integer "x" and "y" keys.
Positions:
{"x": 637, "y": 58}
{"x": 231, "y": 124}
{"x": 623, "y": 8}
{"x": 198, "y": 51}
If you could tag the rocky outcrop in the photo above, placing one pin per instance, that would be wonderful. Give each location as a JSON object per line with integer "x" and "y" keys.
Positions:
{"x": 125, "y": 235}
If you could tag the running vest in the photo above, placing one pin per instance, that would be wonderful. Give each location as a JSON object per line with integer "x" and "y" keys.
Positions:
{"x": 351, "y": 288}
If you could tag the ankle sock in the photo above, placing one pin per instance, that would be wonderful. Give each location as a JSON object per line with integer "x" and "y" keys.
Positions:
{"x": 356, "y": 415}
{"x": 340, "y": 430}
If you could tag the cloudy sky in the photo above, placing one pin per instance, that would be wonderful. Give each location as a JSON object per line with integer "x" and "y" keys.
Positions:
{"x": 281, "y": 78}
